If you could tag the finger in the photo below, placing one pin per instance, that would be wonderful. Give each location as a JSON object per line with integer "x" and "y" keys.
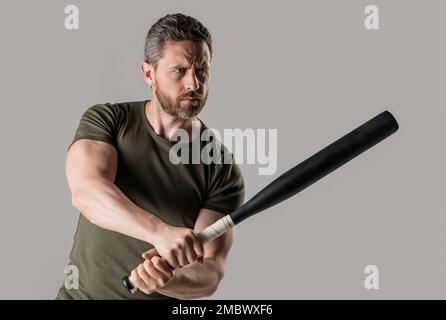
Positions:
{"x": 158, "y": 277}
{"x": 198, "y": 247}
{"x": 182, "y": 260}
{"x": 144, "y": 275}
{"x": 151, "y": 253}
{"x": 162, "y": 265}
{"x": 172, "y": 260}
{"x": 138, "y": 282}
{"x": 189, "y": 252}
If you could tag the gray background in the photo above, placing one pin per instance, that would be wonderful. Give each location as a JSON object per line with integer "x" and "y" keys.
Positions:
{"x": 307, "y": 68}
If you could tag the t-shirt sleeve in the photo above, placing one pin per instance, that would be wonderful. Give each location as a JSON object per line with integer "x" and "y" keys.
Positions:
{"x": 227, "y": 188}
{"x": 98, "y": 122}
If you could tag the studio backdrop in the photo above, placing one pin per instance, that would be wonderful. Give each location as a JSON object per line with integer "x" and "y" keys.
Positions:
{"x": 294, "y": 76}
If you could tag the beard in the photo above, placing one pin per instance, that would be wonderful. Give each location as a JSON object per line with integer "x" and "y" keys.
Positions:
{"x": 173, "y": 106}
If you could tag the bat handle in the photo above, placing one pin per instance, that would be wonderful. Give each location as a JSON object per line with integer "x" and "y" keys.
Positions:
{"x": 210, "y": 233}
{"x": 216, "y": 229}
{"x": 127, "y": 283}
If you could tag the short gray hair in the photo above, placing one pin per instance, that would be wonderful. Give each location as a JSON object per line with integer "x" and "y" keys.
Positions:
{"x": 173, "y": 27}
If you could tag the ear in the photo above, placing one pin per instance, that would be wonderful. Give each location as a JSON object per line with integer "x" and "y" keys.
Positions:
{"x": 147, "y": 72}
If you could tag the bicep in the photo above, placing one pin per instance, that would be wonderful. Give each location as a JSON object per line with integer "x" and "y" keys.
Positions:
{"x": 217, "y": 249}
{"x": 90, "y": 160}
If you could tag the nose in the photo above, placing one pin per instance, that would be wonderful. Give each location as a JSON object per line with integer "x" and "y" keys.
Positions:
{"x": 192, "y": 82}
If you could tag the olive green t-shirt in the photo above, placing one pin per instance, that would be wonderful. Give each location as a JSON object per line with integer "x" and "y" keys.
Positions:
{"x": 173, "y": 192}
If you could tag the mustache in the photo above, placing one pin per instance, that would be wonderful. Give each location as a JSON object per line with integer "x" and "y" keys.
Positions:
{"x": 192, "y": 95}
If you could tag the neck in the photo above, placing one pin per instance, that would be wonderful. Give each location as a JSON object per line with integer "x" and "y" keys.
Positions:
{"x": 164, "y": 124}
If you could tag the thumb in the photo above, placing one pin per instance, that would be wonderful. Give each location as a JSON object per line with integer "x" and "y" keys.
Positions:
{"x": 149, "y": 254}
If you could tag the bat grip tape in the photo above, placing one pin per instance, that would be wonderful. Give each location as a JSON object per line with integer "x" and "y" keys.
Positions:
{"x": 216, "y": 229}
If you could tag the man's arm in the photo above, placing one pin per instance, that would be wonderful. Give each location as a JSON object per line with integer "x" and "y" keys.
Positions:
{"x": 198, "y": 280}
{"x": 91, "y": 170}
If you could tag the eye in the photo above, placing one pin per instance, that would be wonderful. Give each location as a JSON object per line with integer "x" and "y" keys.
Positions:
{"x": 179, "y": 70}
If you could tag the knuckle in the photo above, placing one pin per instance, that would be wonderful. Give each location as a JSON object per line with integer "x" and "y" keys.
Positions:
{"x": 161, "y": 282}
{"x": 171, "y": 261}
{"x": 137, "y": 282}
{"x": 147, "y": 264}
{"x": 156, "y": 261}
{"x": 142, "y": 272}
{"x": 141, "y": 284}
{"x": 152, "y": 286}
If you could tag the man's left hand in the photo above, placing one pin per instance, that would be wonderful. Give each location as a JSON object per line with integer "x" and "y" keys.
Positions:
{"x": 152, "y": 274}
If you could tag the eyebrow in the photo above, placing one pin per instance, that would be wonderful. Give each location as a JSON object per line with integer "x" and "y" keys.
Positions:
{"x": 203, "y": 66}
{"x": 190, "y": 60}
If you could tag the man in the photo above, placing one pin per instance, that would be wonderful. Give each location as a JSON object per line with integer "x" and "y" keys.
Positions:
{"x": 133, "y": 199}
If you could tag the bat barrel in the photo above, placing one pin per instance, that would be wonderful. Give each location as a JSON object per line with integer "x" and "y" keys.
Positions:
{"x": 319, "y": 165}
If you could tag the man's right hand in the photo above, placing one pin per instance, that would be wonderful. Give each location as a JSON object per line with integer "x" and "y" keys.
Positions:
{"x": 179, "y": 246}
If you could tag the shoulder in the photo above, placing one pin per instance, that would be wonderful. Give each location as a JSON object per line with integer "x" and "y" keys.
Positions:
{"x": 112, "y": 112}
{"x": 117, "y": 107}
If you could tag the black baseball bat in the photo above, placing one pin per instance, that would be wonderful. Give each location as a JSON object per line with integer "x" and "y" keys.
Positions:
{"x": 303, "y": 175}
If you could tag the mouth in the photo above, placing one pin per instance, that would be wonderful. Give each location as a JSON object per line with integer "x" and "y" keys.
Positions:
{"x": 191, "y": 99}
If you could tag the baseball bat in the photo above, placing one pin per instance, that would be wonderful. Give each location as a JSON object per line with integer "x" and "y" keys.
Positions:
{"x": 303, "y": 175}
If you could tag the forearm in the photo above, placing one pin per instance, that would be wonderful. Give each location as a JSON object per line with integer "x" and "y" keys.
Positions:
{"x": 103, "y": 204}
{"x": 196, "y": 280}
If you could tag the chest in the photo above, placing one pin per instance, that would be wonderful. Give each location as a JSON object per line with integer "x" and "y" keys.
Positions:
{"x": 174, "y": 192}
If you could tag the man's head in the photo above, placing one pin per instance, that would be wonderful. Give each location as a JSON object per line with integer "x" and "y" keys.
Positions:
{"x": 177, "y": 56}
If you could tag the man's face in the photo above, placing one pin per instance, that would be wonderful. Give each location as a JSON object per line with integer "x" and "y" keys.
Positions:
{"x": 180, "y": 81}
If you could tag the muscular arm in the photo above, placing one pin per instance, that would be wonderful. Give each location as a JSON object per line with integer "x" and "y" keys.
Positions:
{"x": 91, "y": 170}
{"x": 198, "y": 280}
